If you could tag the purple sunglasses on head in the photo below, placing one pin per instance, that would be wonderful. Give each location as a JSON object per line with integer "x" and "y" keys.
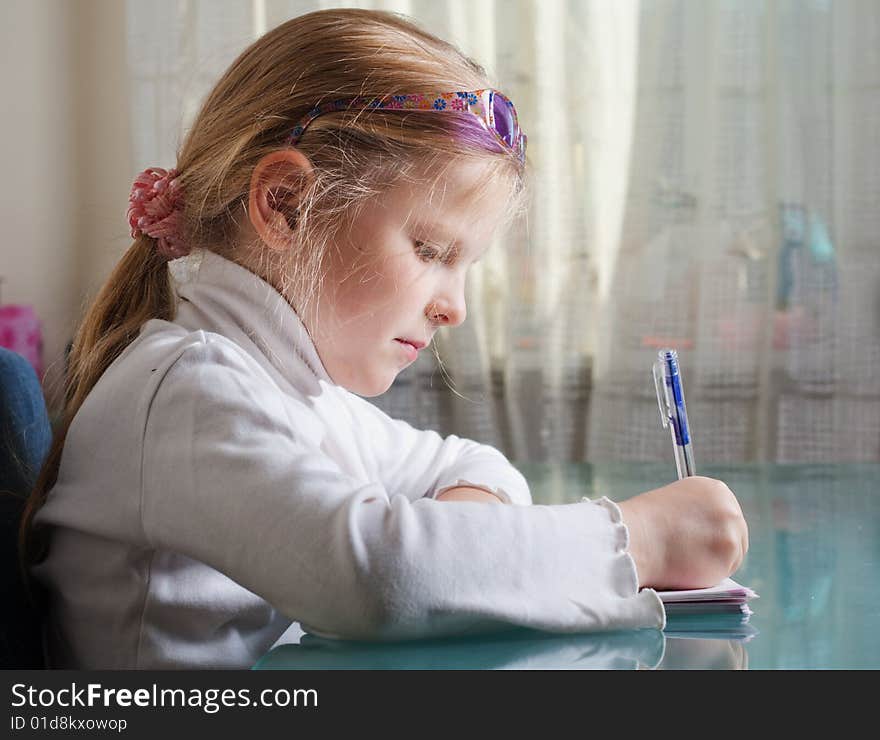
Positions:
{"x": 494, "y": 111}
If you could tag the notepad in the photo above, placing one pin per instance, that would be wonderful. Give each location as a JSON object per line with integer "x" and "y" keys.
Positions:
{"x": 728, "y": 597}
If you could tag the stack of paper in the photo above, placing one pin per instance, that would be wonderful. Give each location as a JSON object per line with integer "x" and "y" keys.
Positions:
{"x": 728, "y": 597}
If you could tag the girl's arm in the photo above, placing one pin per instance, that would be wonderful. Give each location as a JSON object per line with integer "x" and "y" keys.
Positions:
{"x": 466, "y": 493}
{"x": 421, "y": 463}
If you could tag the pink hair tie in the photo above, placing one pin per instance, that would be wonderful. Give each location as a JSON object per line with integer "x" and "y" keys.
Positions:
{"x": 154, "y": 209}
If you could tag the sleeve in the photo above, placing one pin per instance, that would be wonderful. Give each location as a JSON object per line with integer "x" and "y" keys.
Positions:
{"x": 227, "y": 481}
{"x": 420, "y": 463}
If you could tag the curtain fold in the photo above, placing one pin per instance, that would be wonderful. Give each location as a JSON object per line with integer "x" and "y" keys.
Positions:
{"x": 704, "y": 176}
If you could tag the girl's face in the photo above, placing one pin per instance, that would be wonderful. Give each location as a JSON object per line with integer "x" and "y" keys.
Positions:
{"x": 396, "y": 274}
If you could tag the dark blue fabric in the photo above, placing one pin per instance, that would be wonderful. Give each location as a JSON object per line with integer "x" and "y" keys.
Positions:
{"x": 24, "y": 424}
{"x": 25, "y": 436}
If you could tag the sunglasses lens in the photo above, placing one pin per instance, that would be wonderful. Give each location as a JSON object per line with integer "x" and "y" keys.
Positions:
{"x": 505, "y": 126}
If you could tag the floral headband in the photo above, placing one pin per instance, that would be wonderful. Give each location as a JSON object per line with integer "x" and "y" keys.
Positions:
{"x": 493, "y": 109}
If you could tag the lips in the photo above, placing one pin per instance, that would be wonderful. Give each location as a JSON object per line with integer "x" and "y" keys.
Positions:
{"x": 413, "y": 342}
{"x": 411, "y": 348}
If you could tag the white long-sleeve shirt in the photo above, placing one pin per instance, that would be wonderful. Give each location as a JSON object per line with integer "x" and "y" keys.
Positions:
{"x": 216, "y": 485}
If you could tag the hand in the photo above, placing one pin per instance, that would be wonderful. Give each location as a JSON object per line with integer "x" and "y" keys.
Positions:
{"x": 466, "y": 493}
{"x": 689, "y": 534}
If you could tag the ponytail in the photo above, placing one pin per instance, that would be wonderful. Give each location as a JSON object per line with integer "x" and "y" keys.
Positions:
{"x": 138, "y": 289}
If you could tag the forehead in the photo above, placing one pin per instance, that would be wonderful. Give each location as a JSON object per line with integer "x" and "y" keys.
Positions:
{"x": 459, "y": 202}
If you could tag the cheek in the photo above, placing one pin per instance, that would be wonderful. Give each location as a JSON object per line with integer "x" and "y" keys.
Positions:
{"x": 390, "y": 286}
{"x": 360, "y": 302}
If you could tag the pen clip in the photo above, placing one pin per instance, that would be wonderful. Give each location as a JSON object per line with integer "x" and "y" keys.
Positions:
{"x": 662, "y": 395}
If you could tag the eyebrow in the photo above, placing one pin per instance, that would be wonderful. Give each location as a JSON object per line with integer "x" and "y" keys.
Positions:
{"x": 437, "y": 230}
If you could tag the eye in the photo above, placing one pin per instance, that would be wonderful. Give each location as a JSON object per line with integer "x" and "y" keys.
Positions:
{"x": 425, "y": 251}
{"x": 428, "y": 252}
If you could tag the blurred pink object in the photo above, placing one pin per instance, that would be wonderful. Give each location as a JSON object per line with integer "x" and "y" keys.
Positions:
{"x": 791, "y": 328}
{"x": 22, "y": 332}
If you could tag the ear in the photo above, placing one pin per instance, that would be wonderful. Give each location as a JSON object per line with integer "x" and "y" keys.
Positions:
{"x": 277, "y": 185}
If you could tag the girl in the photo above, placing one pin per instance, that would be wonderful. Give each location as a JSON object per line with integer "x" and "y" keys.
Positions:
{"x": 219, "y": 476}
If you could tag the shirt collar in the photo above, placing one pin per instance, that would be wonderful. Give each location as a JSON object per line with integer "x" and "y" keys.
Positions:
{"x": 230, "y": 300}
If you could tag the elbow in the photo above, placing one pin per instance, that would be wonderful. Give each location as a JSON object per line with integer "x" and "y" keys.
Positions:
{"x": 381, "y": 604}
{"x": 395, "y": 607}
{"x": 378, "y": 616}
{"x": 387, "y": 589}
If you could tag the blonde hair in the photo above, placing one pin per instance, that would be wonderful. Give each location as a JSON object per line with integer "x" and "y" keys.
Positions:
{"x": 250, "y": 112}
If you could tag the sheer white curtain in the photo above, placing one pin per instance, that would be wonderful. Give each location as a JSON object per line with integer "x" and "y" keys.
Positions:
{"x": 704, "y": 176}
{"x": 750, "y": 238}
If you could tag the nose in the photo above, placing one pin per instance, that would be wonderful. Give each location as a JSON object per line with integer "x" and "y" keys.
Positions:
{"x": 448, "y": 309}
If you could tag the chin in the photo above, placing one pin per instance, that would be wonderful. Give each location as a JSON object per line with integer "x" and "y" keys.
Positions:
{"x": 375, "y": 391}
{"x": 369, "y": 387}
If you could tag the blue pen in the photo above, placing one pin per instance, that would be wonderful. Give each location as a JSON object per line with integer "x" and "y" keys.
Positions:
{"x": 670, "y": 398}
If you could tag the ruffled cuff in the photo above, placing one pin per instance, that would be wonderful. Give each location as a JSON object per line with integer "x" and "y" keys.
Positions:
{"x": 621, "y": 547}
{"x": 499, "y": 492}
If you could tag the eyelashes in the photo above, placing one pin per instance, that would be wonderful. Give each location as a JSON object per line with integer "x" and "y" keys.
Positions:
{"x": 425, "y": 251}
{"x": 428, "y": 253}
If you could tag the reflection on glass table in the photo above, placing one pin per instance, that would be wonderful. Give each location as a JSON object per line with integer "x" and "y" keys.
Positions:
{"x": 516, "y": 649}
{"x": 814, "y": 553}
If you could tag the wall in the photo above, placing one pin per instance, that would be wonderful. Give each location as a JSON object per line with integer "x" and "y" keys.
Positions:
{"x": 66, "y": 160}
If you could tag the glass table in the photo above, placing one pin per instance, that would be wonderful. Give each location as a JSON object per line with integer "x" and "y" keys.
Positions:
{"x": 814, "y": 554}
